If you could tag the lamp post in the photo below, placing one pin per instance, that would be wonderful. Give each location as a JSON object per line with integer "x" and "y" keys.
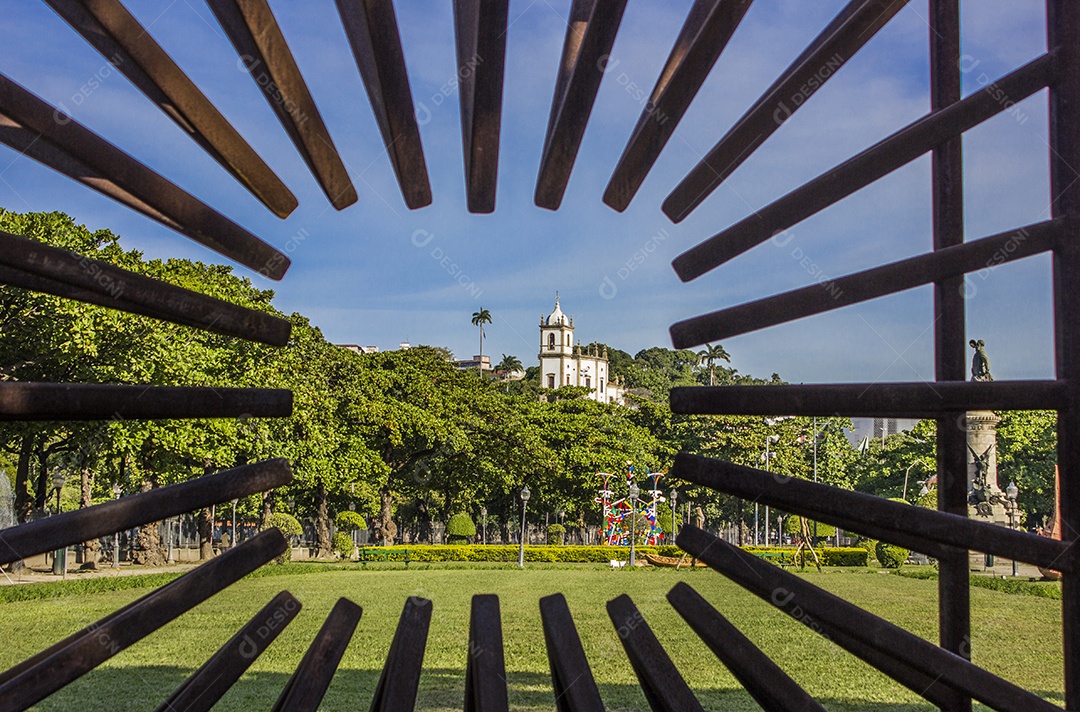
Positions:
{"x": 673, "y": 495}
{"x": 769, "y": 455}
{"x": 635, "y": 491}
{"x": 60, "y": 556}
{"x": 116, "y": 537}
{"x": 483, "y": 514}
{"x": 521, "y": 545}
{"x": 1010, "y": 492}
{"x": 903, "y": 495}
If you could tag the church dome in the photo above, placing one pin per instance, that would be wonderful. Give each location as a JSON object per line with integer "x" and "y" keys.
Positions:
{"x": 557, "y": 318}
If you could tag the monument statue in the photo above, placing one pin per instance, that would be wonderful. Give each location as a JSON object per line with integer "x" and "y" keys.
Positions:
{"x": 981, "y": 496}
{"x": 980, "y": 362}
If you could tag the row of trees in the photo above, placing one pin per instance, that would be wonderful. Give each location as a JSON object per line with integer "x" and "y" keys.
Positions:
{"x": 401, "y": 436}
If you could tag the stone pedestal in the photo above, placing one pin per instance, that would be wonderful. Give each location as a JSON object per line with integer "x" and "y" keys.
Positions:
{"x": 982, "y": 439}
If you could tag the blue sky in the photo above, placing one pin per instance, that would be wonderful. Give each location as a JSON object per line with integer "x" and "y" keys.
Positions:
{"x": 372, "y": 274}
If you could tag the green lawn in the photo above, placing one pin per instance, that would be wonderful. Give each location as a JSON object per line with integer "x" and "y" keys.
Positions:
{"x": 1016, "y": 636}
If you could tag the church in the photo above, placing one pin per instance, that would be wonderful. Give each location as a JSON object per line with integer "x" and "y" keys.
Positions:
{"x": 562, "y": 362}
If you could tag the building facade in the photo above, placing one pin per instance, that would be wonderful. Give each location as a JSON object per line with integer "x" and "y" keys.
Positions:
{"x": 562, "y": 362}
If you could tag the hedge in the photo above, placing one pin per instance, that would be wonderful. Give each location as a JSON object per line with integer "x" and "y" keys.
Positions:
{"x": 828, "y": 555}
{"x": 494, "y": 552}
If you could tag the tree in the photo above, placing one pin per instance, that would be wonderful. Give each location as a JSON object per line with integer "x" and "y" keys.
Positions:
{"x": 710, "y": 354}
{"x": 479, "y": 318}
{"x": 508, "y": 365}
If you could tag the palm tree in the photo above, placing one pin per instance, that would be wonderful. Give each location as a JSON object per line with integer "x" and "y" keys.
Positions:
{"x": 509, "y": 364}
{"x": 479, "y": 318}
{"x": 711, "y": 354}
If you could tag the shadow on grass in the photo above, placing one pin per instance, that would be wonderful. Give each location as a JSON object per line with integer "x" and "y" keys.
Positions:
{"x": 142, "y": 688}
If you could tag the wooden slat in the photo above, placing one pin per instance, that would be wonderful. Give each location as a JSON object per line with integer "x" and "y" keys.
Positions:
{"x": 708, "y": 28}
{"x": 664, "y": 688}
{"x": 894, "y": 277}
{"x": 254, "y": 32}
{"x": 571, "y": 676}
{"x": 307, "y": 686}
{"x": 485, "y": 670}
{"x": 84, "y": 401}
{"x": 894, "y": 400}
{"x": 106, "y": 639}
{"x": 372, "y": 29}
{"x": 32, "y": 127}
{"x": 590, "y": 35}
{"x": 89, "y": 523}
{"x": 201, "y": 691}
{"x": 42, "y": 268}
{"x": 854, "y": 511}
{"x": 400, "y": 678}
{"x": 480, "y": 28}
{"x": 117, "y": 35}
{"x": 809, "y": 604}
{"x": 863, "y": 169}
{"x": 766, "y": 682}
{"x": 841, "y": 40}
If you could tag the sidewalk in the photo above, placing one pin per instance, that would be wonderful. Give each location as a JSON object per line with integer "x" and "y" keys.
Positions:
{"x": 41, "y": 574}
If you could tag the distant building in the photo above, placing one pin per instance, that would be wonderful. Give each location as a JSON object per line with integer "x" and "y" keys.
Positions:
{"x": 876, "y": 427}
{"x": 473, "y": 363}
{"x": 562, "y": 362}
{"x": 356, "y": 349}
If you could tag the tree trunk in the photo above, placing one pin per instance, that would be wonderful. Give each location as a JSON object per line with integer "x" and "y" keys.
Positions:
{"x": 148, "y": 541}
{"x": 206, "y": 534}
{"x": 43, "y": 485}
{"x": 90, "y": 548}
{"x": 322, "y": 523}
{"x": 267, "y": 509}
{"x": 387, "y": 528}
{"x": 24, "y": 500}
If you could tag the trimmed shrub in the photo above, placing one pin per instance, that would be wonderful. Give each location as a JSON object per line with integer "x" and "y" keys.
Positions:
{"x": 890, "y": 556}
{"x": 343, "y": 545}
{"x": 792, "y": 526}
{"x": 349, "y": 520}
{"x": 556, "y": 535}
{"x": 460, "y": 529}
{"x": 289, "y": 527}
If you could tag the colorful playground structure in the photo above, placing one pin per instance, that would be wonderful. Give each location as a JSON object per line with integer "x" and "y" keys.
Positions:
{"x": 620, "y": 515}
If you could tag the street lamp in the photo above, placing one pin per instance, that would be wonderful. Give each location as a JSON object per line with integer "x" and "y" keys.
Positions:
{"x": 483, "y": 513}
{"x": 635, "y": 491}
{"x": 768, "y": 456}
{"x": 1010, "y": 492}
{"x": 116, "y": 537}
{"x": 60, "y": 557}
{"x": 903, "y": 496}
{"x": 521, "y": 544}
{"x": 673, "y": 495}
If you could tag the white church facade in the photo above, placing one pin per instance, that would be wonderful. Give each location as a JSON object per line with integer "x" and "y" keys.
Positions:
{"x": 562, "y": 362}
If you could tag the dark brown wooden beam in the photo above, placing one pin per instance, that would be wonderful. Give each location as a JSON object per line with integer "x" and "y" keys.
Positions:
{"x": 895, "y": 400}
{"x": 91, "y": 401}
{"x": 708, "y": 28}
{"x": 107, "y": 638}
{"x": 571, "y": 676}
{"x": 841, "y": 40}
{"x": 117, "y": 35}
{"x": 485, "y": 670}
{"x": 863, "y": 169}
{"x": 663, "y": 685}
{"x": 400, "y": 678}
{"x": 68, "y": 528}
{"x": 809, "y": 604}
{"x": 372, "y": 29}
{"x": 986, "y": 253}
{"x": 39, "y": 267}
{"x": 42, "y": 132}
{"x": 307, "y": 686}
{"x": 767, "y": 683}
{"x": 253, "y": 30}
{"x": 854, "y": 511}
{"x": 590, "y": 35}
{"x": 201, "y": 691}
{"x": 480, "y": 28}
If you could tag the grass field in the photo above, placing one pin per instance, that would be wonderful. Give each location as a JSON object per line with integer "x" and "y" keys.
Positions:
{"x": 1018, "y": 637}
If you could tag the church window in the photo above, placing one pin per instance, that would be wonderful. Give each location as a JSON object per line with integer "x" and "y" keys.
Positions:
{"x": 601, "y": 385}
{"x": 551, "y": 380}
{"x": 588, "y": 382}
{"x": 551, "y": 341}
{"x": 568, "y": 380}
